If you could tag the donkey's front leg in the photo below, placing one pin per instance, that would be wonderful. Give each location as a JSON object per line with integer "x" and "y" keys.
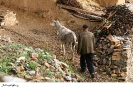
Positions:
{"x": 57, "y": 32}
{"x": 63, "y": 49}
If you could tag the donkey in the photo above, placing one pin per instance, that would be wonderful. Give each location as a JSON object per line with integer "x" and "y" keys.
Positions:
{"x": 67, "y": 37}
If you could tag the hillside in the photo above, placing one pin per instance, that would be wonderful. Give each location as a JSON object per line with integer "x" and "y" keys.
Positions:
{"x": 35, "y": 29}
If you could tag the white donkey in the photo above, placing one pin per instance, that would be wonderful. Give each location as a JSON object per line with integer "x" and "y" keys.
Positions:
{"x": 66, "y": 36}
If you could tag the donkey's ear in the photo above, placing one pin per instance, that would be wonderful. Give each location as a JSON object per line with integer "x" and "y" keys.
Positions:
{"x": 58, "y": 21}
{"x": 53, "y": 20}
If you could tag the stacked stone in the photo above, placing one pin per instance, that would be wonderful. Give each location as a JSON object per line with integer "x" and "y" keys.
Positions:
{"x": 112, "y": 54}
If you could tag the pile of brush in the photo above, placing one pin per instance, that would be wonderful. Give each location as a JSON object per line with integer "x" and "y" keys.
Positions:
{"x": 119, "y": 21}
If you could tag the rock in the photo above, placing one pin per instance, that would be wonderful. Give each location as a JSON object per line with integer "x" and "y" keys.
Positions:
{"x": 120, "y": 64}
{"x": 68, "y": 78}
{"x": 105, "y": 47}
{"x": 104, "y": 73}
{"x": 68, "y": 74}
{"x": 95, "y": 57}
{"x": 112, "y": 46}
{"x": 52, "y": 68}
{"x": 77, "y": 76}
{"x": 32, "y": 72}
{"x": 117, "y": 71}
{"x": 49, "y": 61}
{"x": 11, "y": 64}
{"x": 108, "y": 71}
{"x": 57, "y": 76}
{"x": 21, "y": 59}
{"x": 60, "y": 70}
{"x": 54, "y": 56}
{"x": 104, "y": 61}
{"x": 74, "y": 80}
{"x": 123, "y": 74}
{"x": 20, "y": 68}
{"x": 110, "y": 51}
{"x": 47, "y": 65}
{"x": 9, "y": 18}
{"x": 96, "y": 68}
{"x": 122, "y": 78}
{"x": 73, "y": 75}
{"x": 117, "y": 50}
{"x": 47, "y": 79}
{"x": 34, "y": 55}
{"x": 27, "y": 77}
{"x": 113, "y": 40}
{"x": 114, "y": 75}
{"x": 124, "y": 69}
{"x": 38, "y": 77}
{"x": 113, "y": 71}
{"x": 62, "y": 79}
{"x": 116, "y": 56}
{"x": 26, "y": 49}
{"x": 64, "y": 65}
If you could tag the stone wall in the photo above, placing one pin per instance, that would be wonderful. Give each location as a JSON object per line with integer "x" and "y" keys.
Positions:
{"x": 112, "y": 57}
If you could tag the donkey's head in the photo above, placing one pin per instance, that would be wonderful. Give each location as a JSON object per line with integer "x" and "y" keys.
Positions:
{"x": 56, "y": 24}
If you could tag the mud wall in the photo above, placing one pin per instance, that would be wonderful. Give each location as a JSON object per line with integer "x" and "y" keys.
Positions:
{"x": 27, "y": 5}
{"x": 107, "y": 3}
{"x": 34, "y": 5}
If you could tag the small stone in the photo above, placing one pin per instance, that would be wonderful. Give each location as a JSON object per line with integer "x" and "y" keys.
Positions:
{"x": 11, "y": 64}
{"x": 27, "y": 77}
{"x": 52, "y": 68}
{"x": 122, "y": 78}
{"x": 38, "y": 77}
{"x": 32, "y": 72}
{"x": 120, "y": 64}
{"x": 20, "y": 68}
{"x": 64, "y": 65}
{"x": 116, "y": 56}
{"x": 34, "y": 55}
{"x": 104, "y": 73}
{"x": 46, "y": 79}
{"x": 113, "y": 72}
{"x": 77, "y": 76}
{"x": 124, "y": 69}
{"x": 47, "y": 65}
{"x": 73, "y": 75}
{"x": 123, "y": 74}
{"x": 68, "y": 78}
{"x": 21, "y": 59}
{"x": 114, "y": 75}
{"x": 95, "y": 58}
{"x": 68, "y": 74}
{"x": 54, "y": 56}
{"x": 74, "y": 80}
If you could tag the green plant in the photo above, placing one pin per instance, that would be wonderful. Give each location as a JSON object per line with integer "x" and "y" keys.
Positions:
{"x": 49, "y": 73}
{"x": 60, "y": 74}
{"x": 71, "y": 69}
{"x": 5, "y": 68}
{"x": 22, "y": 73}
{"x": 57, "y": 80}
{"x": 32, "y": 66}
